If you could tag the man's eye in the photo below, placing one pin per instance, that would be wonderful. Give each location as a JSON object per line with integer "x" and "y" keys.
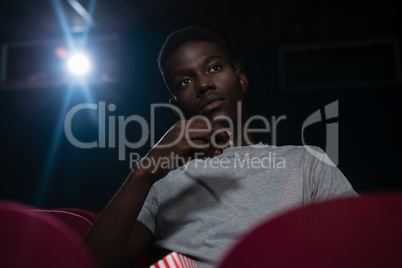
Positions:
{"x": 215, "y": 68}
{"x": 185, "y": 82}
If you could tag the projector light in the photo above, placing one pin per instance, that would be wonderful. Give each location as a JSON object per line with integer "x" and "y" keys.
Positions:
{"x": 78, "y": 64}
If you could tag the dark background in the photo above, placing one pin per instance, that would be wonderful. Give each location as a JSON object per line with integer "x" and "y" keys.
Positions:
{"x": 345, "y": 51}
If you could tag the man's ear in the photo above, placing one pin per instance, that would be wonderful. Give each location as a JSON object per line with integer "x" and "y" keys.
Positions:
{"x": 242, "y": 79}
{"x": 173, "y": 103}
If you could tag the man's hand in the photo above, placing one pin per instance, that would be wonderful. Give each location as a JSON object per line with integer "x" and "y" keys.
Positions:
{"x": 198, "y": 137}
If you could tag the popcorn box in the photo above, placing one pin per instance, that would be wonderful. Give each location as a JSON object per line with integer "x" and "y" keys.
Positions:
{"x": 175, "y": 260}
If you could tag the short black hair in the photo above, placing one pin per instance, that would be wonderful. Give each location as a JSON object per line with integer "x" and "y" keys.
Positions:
{"x": 186, "y": 34}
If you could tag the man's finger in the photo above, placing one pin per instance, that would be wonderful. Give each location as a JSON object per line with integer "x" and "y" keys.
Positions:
{"x": 221, "y": 138}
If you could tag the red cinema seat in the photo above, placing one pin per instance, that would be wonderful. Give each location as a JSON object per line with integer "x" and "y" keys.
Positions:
{"x": 78, "y": 223}
{"x": 351, "y": 232}
{"x": 34, "y": 239}
{"x": 90, "y": 215}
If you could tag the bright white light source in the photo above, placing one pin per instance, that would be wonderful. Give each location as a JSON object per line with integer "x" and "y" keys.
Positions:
{"x": 78, "y": 64}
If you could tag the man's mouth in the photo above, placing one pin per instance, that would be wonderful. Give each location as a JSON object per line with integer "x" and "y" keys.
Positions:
{"x": 211, "y": 102}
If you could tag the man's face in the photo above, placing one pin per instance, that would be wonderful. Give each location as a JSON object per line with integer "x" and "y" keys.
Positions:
{"x": 204, "y": 82}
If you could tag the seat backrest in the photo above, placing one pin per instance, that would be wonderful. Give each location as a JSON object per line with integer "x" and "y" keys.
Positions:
{"x": 78, "y": 223}
{"x": 350, "y": 232}
{"x": 90, "y": 215}
{"x": 35, "y": 239}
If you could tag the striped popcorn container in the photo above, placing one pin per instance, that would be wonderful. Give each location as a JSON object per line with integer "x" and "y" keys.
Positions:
{"x": 175, "y": 260}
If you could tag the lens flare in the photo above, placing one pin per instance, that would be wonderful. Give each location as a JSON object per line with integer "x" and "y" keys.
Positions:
{"x": 78, "y": 64}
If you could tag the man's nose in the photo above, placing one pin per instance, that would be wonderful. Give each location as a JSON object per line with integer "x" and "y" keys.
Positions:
{"x": 205, "y": 84}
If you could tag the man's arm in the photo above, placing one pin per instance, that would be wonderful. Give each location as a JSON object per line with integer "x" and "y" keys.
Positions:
{"x": 116, "y": 235}
{"x": 137, "y": 244}
{"x": 327, "y": 180}
{"x": 108, "y": 237}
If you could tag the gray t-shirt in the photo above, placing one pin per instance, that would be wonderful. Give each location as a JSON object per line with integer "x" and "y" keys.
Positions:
{"x": 201, "y": 208}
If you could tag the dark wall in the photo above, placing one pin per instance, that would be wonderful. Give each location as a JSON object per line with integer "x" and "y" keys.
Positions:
{"x": 40, "y": 166}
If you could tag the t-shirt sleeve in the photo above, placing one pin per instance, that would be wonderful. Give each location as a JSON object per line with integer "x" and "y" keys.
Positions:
{"x": 149, "y": 210}
{"x": 325, "y": 179}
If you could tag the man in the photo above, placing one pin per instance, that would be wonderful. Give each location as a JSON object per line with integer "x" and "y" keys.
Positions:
{"x": 214, "y": 182}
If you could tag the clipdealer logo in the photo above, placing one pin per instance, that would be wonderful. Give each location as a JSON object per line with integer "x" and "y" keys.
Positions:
{"x": 118, "y": 139}
{"x": 330, "y": 112}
